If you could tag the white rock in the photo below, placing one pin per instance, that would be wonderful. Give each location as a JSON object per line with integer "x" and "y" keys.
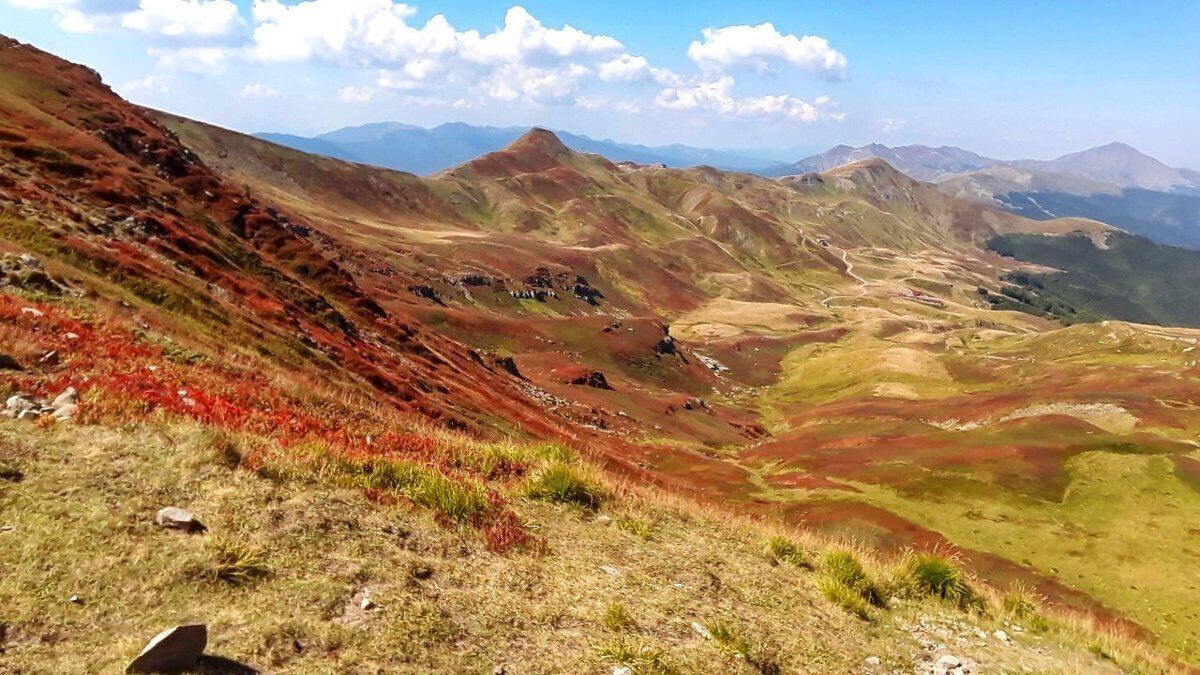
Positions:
{"x": 622, "y": 670}
{"x": 173, "y": 649}
{"x": 366, "y": 603}
{"x": 873, "y": 661}
{"x": 68, "y": 397}
{"x": 66, "y": 412}
{"x": 1001, "y": 636}
{"x": 701, "y": 630}
{"x": 602, "y": 520}
{"x": 610, "y": 570}
{"x": 31, "y": 311}
{"x": 176, "y": 519}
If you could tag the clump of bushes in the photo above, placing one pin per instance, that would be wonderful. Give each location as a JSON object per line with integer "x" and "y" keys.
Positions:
{"x": 783, "y": 550}
{"x": 562, "y": 483}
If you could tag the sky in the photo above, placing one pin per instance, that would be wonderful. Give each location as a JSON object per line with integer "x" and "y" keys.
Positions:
{"x": 1014, "y": 79}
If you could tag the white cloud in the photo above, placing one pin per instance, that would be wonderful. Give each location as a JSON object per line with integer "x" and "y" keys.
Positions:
{"x": 522, "y": 58}
{"x": 199, "y": 60}
{"x": 258, "y": 91}
{"x": 763, "y": 48}
{"x": 717, "y": 96}
{"x": 152, "y": 84}
{"x": 190, "y": 20}
{"x": 356, "y": 94}
{"x": 625, "y": 68}
{"x": 185, "y": 19}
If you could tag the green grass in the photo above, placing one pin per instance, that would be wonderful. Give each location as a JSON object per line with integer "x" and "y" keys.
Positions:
{"x": 843, "y": 596}
{"x": 929, "y": 575}
{"x": 1123, "y": 533}
{"x": 780, "y": 549}
{"x": 617, "y": 617}
{"x": 233, "y": 562}
{"x": 563, "y": 483}
{"x": 639, "y": 656}
{"x": 638, "y": 528}
{"x": 457, "y": 499}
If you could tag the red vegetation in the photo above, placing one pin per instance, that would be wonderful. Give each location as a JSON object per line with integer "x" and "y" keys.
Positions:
{"x": 124, "y": 380}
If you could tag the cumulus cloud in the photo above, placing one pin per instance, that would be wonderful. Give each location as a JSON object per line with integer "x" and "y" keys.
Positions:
{"x": 522, "y": 58}
{"x": 185, "y": 19}
{"x": 763, "y": 48}
{"x": 717, "y": 96}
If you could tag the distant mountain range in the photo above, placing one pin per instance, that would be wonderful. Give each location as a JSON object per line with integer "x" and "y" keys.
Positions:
{"x": 1114, "y": 183}
{"x": 425, "y": 151}
{"x": 918, "y": 161}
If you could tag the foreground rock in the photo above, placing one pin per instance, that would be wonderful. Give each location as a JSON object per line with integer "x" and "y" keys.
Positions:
{"x": 174, "y": 649}
{"x": 177, "y": 519}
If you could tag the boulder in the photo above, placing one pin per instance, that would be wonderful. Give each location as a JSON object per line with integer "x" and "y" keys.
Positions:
{"x": 174, "y": 649}
{"x": 177, "y": 519}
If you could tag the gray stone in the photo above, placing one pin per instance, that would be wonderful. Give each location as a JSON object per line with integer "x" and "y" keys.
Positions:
{"x": 177, "y": 519}
{"x": 68, "y": 397}
{"x": 174, "y": 649}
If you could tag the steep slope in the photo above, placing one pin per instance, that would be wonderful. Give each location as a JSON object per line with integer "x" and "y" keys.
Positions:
{"x": 919, "y": 161}
{"x": 110, "y": 198}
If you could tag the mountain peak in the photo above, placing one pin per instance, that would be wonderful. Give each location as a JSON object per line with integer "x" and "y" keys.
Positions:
{"x": 541, "y": 141}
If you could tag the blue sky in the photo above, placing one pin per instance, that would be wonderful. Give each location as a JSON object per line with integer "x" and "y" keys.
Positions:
{"x": 1009, "y": 79}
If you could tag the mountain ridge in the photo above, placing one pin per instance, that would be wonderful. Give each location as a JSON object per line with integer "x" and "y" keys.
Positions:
{"x": 424, "y": 151}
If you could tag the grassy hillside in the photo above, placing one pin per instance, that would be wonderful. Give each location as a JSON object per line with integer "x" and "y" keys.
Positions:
{"x": 1130, "y": 278}
{"x": 280, "y": 574}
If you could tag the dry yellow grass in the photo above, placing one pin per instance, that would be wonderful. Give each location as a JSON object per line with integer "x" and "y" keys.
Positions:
{"x": 81, "y": 524}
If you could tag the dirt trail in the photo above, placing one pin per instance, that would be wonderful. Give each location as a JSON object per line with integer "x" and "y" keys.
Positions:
{"x": 863, "y": 283}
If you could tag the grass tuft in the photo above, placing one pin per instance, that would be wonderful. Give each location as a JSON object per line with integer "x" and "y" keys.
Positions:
{"x": 640, "y": 657}
{"x": 843, "y": 596}
{"x": 561, "y": 483}
{"x": 1022, "y": 603}
{"x": 638, "y": 528}
{"x": 617, "y": 617}
{"x": 234, "y": 562}
{"x": 784, "y": 550}
{"x": 931, "y": 575}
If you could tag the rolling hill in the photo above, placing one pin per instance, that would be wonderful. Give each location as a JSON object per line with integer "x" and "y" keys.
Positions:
{"x": 428, "y": 418}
